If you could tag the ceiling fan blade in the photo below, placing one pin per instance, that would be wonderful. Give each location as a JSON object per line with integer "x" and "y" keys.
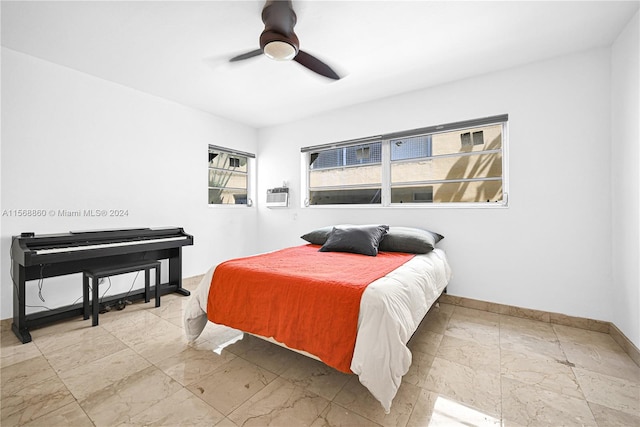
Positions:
{"x": 246, "y": 55}
{"x": 315, "y": 65}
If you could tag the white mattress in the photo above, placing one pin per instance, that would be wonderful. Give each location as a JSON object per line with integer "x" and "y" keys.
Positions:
{"x": 391, "y": 309}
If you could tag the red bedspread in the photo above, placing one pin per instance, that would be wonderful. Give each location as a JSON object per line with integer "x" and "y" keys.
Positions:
{"x": 306, "y": 299}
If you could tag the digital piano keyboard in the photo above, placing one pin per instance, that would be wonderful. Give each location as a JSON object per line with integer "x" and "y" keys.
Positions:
{"x": 36, "y": 257}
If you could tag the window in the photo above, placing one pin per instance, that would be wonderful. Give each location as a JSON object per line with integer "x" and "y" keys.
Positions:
{"x": 462, "y": 163}
{"x": 229, "y": 176}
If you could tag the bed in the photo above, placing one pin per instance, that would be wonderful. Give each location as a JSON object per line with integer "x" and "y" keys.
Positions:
{"x": 351, "y": 297}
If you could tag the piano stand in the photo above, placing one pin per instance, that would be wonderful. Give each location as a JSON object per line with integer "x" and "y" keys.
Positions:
{"x": 182, "y": 291}
{"x": 99, "y": 273}
{"x": 22, "y": 334}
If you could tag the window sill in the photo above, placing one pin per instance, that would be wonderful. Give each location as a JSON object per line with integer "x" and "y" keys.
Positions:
{"x": 230, "y": 207}
{"x": 483, "y": 205}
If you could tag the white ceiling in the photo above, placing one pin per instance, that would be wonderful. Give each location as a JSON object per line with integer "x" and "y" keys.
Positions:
{"x": 179, "y": 49}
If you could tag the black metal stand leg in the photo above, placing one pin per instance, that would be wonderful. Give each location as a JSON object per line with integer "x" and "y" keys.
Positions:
{"x": 22, "y": 334}
{"x": 85, "y": 296}
{"x": 19, "y": 325}
{"x": 158, "y": 293}
{"x": 146, "y": 285}
{"x": 175, "y": 272}
{"x": 95, "y": 301}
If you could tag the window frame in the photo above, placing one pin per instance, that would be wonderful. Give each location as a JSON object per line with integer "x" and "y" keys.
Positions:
{"x": 386, "y": 162}
{"x": 249, "y": 174}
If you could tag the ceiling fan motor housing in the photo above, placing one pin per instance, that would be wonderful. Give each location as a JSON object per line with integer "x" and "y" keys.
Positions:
{"x": 279, "y": 20}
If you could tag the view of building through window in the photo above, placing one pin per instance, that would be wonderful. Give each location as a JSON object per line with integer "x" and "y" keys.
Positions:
{"x": 347, "y": 175}
{"x": 456, "y": 171}
{"x": 463, "y": 165}
{"x": 228, "y": 177}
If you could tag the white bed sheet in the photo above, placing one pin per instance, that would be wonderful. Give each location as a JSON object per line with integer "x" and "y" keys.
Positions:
{"x": 391, "y": 309}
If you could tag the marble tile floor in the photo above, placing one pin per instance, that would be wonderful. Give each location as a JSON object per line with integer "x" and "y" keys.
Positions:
{"x": 470, "y": 368}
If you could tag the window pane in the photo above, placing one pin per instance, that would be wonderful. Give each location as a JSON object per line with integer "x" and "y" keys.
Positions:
{"x": 226, "y": 161}
{"x": 362, "y": 196}
{"x": 423, "y": 194}
{"x": 411, "y": 148}
{"x": 473, "y": 191}
{"x": 226, "y": 179}
{"x": 359, "y": 175}
{"x": 227, "y": 196}
{"x": 346, "y": 175}
{"x": 347, "y": 156}
{"x": 446, "y": 168}
{"x": 461, "y": 141}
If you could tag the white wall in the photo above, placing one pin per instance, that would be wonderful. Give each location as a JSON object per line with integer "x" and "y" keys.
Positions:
{"x": 72, "y": 141}
{"x": 551, "y": 249}
{"x": 625, "y": 187}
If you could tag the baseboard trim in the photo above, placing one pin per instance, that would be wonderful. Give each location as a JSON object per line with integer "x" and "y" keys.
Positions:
{"x": 625, "y": 343}
{"x": 549, "y": 317}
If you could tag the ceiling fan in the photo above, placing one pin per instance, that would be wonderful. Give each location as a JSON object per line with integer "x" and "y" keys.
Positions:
{"x": 280, "y": 43}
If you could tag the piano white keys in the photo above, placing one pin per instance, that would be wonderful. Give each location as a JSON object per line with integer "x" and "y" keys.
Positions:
{"x": 107, "y": 245}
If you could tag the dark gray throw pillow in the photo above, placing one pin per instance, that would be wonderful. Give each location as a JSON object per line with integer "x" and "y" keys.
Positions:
{"x": 363, "y": 239}
{"x": 320, "y": 236}
{"x": 410, "y": 240}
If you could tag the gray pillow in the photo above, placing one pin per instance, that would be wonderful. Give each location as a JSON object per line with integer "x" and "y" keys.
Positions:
{"x": 410, "y": 240}
{"x": 363, "y": 239}
{"x": 319, "y": 236}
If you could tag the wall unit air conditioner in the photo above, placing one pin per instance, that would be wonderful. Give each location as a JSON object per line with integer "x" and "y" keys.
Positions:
{"x": 278, "y": 197}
